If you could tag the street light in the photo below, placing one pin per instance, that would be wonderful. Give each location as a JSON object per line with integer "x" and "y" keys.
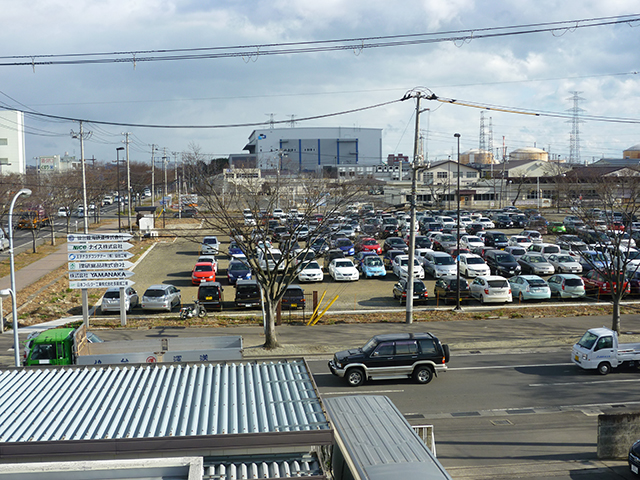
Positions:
{"x": 12, "y": 269}
{"x": 458, "y": 307}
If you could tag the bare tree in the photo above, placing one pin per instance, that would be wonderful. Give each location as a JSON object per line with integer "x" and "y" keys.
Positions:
{"x": 609, "y": 208}
{"x": 316, "y": 199}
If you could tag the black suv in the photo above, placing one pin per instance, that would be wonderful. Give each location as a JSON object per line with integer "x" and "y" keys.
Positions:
{"x": 495, "y": 239}
{"x": 210, "y": 295}
{"x": 248, "y": 294}
{"x": 392, "y": 355}
{"x": 502, "y": 263}
{"x": 293, "y": 297}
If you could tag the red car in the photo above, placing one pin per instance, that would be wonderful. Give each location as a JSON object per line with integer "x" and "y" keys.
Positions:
{"x": 617, "y": 226}
{"x": 595, "y": 283}
{"x": 369, "y": 244}
{"x": 203, "y": 272}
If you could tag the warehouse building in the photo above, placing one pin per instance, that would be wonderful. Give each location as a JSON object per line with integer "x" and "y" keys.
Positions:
{"x": 311, "y": 149}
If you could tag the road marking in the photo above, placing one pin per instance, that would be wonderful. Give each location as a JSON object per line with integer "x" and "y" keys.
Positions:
{"x": 362, "y": 392}
{"x": 594, "y": 382}
{"x": 496, "y": 367}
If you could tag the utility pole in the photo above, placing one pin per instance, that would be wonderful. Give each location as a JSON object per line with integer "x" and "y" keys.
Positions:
{"x": 153, "y": 175}
{"x": 85, "y": 213}
{"x": 412, "y": 223}
{"x": 126, "y": 143}
{"x": 82, "y": 135}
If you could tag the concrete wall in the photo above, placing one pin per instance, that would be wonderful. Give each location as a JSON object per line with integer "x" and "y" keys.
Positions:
{"x": 616, "y": 433}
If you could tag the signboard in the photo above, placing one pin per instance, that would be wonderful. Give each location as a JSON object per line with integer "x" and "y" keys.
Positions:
{"x": 100, "y": 274}
{"x": 100, "y": 283}
{"x": 98, "y": 247}
{"x": 79, "y": 257}
{"x": 99, "y": 237}
{"x": 99, "y": 265}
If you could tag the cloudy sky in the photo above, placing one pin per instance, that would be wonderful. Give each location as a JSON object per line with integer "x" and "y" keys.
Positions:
{"x": 249, "y": 85}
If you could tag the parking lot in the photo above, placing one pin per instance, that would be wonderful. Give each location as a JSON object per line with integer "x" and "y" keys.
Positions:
{"x": 171, "y": 262}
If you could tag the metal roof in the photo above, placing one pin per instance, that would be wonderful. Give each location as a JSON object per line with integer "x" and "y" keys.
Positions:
{"x": 157, "y": 400}
{"x": 268, "y": 466}
{"x": 378, "y": 440}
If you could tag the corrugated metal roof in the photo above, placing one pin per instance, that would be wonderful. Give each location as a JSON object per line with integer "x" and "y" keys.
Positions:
{"x": 273, "y": 467}
{"x": 379, "y": 440}
{"x": 158, "y": 400}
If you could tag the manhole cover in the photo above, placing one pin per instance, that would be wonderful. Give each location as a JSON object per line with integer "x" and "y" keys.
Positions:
{"x": 501, "y": 422}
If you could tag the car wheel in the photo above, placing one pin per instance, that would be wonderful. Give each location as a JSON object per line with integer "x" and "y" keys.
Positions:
{"x": 355, "y": 377}
{"x": 482, "y": 299}
{"x": 423, "y": 375}
{"x": 604, "y": 368}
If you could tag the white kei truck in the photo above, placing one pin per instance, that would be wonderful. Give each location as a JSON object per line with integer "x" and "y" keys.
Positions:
{"x": 598, "y": 349}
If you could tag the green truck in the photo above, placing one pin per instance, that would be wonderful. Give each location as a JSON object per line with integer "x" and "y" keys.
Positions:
{"x": 69, "y": 346}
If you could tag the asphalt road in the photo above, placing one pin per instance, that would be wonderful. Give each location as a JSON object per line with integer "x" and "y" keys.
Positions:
{"x": 532, "y": 413}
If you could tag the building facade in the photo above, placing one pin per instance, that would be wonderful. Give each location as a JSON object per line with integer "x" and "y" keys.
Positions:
{"x": 57, "y": 163}
{"x": 12, "y": 144}
{"x": 311, "y": 149}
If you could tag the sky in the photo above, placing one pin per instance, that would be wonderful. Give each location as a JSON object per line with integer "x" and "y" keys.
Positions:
{"x": 521, "y": 72}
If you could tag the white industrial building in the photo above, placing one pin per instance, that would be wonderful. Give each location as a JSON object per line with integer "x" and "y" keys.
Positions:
{"x": 12, "y": 144}
{"x": 311, "y": 149}
{"x": 56, "y": 163}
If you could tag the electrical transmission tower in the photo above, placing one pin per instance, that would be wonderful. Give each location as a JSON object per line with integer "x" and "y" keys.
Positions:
{"x": 490, "y": 140}
{"x": 483, "y": 140}
{"x": 574, "y": 138}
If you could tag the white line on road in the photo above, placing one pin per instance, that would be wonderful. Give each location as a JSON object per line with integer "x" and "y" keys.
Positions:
{"x": 594, "y": 382}
{"x": 493, "y": 367}
{"x": 362, "y": 392}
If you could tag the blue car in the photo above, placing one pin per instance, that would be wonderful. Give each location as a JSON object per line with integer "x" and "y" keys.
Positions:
{"x": 529, "y": 287}
{"x": 372, "y": 266}
{"x": 591, "y": 258}
{"x": 238, "y": 270}
{"x": 345, "y": 245}
{"x": 234, "y": 249}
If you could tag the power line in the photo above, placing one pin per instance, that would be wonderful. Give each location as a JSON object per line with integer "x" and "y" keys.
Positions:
{"x": 247, "y": 52}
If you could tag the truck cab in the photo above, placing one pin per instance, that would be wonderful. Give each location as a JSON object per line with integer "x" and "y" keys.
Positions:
{"x": 52, "y": 347}
{"x": 599, "y": 349}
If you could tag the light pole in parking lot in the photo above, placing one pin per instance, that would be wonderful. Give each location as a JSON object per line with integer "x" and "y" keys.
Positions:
{"x": 458, "y": 307}
{"x": 12, "y": 272}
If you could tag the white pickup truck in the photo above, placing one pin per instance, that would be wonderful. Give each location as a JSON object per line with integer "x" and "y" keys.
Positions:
{"x": 599, "y": 349}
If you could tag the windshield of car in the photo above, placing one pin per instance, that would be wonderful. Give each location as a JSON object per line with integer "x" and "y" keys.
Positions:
{"x": 521, "y": 240}
{"x": 419, "y": 287}
{"x": 154, "y": 292}
{"x": 237, "y": 267}
{"x": 501, "y": 237}
{"x": 447, "y": 238}
{"x": 498, "y": 283}
{"x": 537, "y": 282}
{"x": 204, "y": 268}
{"x": 536, "y": 259}
{"x": 208, "y": 293}
{"x": 443, "y": 260}
{"x": 507, "y": 257}
{"x": 112, "y": 294}
{"x": 588, "y": 340}
{"x": 210, "y": 241}
{"x": 474, "y": 260}
{"x": 518, "y": 251}
{"x": 369, "y": 242}
{"x": 344, "y": 264}
{"x": 573, "y": 282}
{"x": 343, "y": 242}
{"x": 312, "y": 266}
{"x": 473, "y": 240}
{"x": 565, "y": 259}
{"x": 370, "y": 346}
{"x": 373, "y": 262}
